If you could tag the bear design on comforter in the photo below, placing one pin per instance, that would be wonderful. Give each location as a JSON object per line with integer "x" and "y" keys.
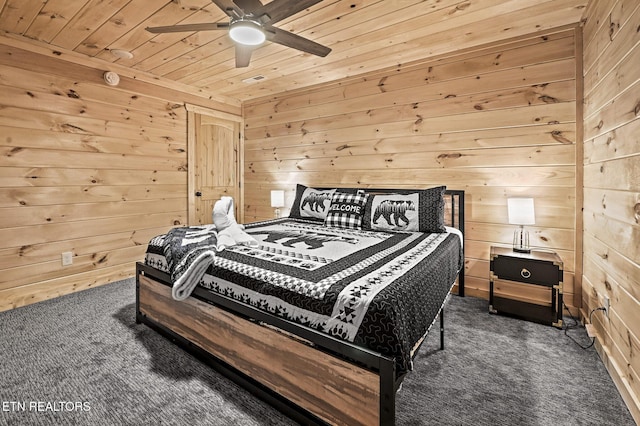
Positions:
{"x": 313, "y": 240}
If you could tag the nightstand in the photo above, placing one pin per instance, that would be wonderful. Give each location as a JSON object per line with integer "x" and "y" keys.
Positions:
{"x": 538, "y": 268}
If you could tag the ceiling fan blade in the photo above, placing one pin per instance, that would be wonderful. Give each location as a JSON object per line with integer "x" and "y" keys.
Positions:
{"x": 188, "y": 27}
{"x": 243, "y": 55}
{"x": 248, "y": 5}
{"x": 229, "y": 7}
{"x": 281, "y": 9}
{"x": 288, "y": 39}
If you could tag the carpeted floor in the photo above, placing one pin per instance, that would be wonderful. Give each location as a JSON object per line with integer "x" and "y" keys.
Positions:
{"x": 81, "y": 359}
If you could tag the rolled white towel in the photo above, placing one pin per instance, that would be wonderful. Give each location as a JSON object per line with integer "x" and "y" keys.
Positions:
{"x": 223, "y": 216}
{"x": 230, "y": 232}
{"x": 235, "y": 235}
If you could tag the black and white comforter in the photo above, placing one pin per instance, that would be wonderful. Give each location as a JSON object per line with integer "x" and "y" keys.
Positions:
{"x": 379, "y": 290}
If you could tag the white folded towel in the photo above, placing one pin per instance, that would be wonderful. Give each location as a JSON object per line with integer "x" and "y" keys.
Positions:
{"x": 223, "y": 216}
{"x": 229, "y": 231}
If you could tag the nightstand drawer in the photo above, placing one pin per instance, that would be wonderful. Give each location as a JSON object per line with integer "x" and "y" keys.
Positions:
{"x": 526, "y": 270}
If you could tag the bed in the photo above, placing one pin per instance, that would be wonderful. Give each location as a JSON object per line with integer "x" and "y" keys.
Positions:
{"x": 322, "y": 317}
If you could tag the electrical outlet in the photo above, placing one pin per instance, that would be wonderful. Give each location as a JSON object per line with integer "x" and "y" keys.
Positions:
{"x": 67, "y": 258}
{"x": 607, "y": 304}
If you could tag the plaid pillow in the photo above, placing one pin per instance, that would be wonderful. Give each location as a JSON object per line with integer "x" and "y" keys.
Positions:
{"x": 346, "y": 210}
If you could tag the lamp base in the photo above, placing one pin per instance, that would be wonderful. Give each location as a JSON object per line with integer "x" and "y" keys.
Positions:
{"x": 521, "y": 240}
{"x": 521, "y": 250}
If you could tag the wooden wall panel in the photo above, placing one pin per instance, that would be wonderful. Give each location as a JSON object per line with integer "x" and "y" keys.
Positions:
{"x": 499, "y": 121}
{"x": 612, "y": 187}
{"x": 86, "y": 168}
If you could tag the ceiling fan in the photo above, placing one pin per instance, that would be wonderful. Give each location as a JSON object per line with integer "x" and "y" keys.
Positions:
{"x": 252, "y": 23}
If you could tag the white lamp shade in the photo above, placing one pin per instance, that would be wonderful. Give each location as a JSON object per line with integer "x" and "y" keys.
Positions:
{"x": 521, "y": 211}
{"x": 277, "y": 198}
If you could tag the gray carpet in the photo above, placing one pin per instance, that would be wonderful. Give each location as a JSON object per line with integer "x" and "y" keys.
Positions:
{"x": 81, "y": 359}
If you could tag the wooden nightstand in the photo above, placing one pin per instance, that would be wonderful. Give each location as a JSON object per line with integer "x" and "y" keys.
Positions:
{"x": 538, "y": 268}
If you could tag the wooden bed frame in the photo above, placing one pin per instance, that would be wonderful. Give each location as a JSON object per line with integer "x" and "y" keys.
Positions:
{"x": 312, "y": 377}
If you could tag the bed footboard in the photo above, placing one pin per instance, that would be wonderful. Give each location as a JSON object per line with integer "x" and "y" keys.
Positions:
{"x": 291, "y": 373}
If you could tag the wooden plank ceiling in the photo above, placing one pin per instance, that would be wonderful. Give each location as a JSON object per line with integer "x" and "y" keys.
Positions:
{"x": 364, "y": 35}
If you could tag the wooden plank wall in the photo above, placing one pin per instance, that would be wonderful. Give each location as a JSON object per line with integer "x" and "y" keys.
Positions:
{"x": 85, "y": 168}
{"x": 497, "y": 121}
{"x": 612, "y": 187}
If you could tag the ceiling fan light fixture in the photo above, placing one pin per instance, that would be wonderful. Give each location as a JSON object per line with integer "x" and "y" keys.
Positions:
{"x": 251, "y": 24}
{"x": 246, "y": 32}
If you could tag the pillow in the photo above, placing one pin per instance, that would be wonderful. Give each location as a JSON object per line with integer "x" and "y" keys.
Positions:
{"x": 346, "y": 210}
{"x": 393, "y": 212}
{"x": 421, "y": 211}
{"x": 312, "y": 203}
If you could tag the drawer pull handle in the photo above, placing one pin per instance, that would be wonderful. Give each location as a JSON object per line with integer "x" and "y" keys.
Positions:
{"x": 525, "y": 273}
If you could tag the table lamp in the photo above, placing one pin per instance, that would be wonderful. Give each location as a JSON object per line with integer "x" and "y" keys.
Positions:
{"x": 277, "y": 200}
{"x": 521, "y": 212}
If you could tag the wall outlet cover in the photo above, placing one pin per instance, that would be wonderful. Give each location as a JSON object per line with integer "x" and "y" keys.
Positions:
{"x": 67, "y": 258}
